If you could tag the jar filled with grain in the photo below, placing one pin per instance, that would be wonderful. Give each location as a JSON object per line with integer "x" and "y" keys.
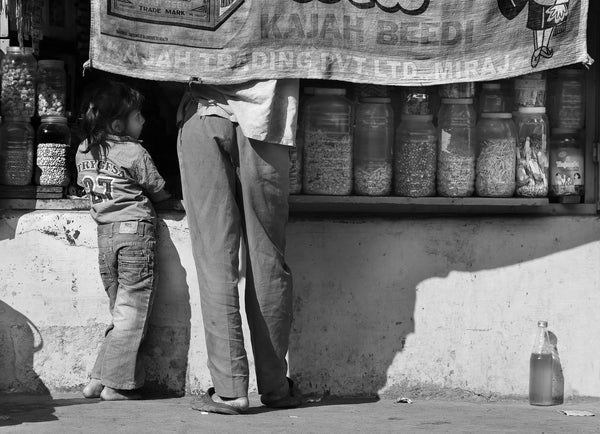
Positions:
{"x": 457, "y": 141}
{"x": 415, "y": 156}
{"x": 51, "y": 88}
{"x": 16, "y": 151}
{"x": 567, "y": 163}
{"x": 19, "y": 69}
{"x": 53, "y": 161}
{"x": 373, "y": 147}
{"x": 532, "y": 152}
{"x": 496, "y": 155}
{"x": 328, "y": 143}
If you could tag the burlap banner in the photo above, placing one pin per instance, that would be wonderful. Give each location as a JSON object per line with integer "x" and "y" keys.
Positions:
{"x": 391, "y": 42}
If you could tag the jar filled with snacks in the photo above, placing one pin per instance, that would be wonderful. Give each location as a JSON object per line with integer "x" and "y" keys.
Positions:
{"x": 19, "y": 69}
{"x": 567, "y": 100}
{"x": 566, "y": 163}
{"x": 415, "y": 156}
{"x": 53, "y": 152}
{"x": 532, "y": 152}
{"x": 51, "y": 88}
{"x": 373, "y": 147}
{"x": 530, "y": 90}
{"x": 16, "y": 151}
{"x": 328, "y": 143}
{"x": 456, "y": 154}
{"x": 496, "y": 155}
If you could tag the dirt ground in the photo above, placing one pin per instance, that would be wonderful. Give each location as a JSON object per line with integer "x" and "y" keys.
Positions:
{"x": 70, "y": 413}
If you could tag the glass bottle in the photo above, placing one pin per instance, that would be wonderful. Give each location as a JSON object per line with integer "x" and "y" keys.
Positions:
{"x": 567, "y": 99}
{"x": 51, "y": 88}
{"x": 532, "y": 152}
{"x": 496, "y": 155}
{"x": 567, "y": 163}
{"x": 53, "y": 152}
{"x": 415, "y": 156}
{"x": 19, "y": 69}
{"x": 328, "y": 143}
{"x": 17, "y": 151}
{"x": 540, "y": 368}
{"x": 373, "y": 147}
{"x": 456, "y": 154}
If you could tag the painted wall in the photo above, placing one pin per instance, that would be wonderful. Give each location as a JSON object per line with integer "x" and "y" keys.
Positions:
{"x": 382, "y": 306}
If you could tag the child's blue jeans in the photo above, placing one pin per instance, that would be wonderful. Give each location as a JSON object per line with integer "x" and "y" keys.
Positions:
{"x": 127, "y": 268}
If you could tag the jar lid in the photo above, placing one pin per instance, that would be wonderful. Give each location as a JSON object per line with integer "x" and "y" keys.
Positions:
{"x": 422, "y": 118}
{"x": 491, "y": 86}
{"x": 329, "y": 91}
{"x": 542, "y": 323}
{"x": 54, "y": 119}
{"x": 52, "y": 63}
{"x": 497, "y": 115}
{"x": 571, "y": 131}
{"x": 532, "y": 109}
{"x": 376, "y": 100}
{"x": 457, "y": 100}
{"x": 15, "y": 49}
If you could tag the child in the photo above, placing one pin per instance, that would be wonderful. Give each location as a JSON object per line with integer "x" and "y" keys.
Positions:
{"x": 120, "y": 178}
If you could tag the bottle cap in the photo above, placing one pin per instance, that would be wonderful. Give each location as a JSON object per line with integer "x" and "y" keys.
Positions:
{"x": 457, "y": 100}
{"x": 329, "y": 91}
{"x": 422, "y": 118}
{"x": 497, "y": 115}
{"x": 542, "y": 323}
{"x": 376, "y": 100}
{"x": 532, "y": 109}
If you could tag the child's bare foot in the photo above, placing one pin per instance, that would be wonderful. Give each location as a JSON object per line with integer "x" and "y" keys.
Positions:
{"x": 93, "y": 389}
{"x": 110, "y": 394}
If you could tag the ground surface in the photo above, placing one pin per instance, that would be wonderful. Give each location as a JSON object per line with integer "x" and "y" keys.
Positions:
{"x": 70, "y": 413}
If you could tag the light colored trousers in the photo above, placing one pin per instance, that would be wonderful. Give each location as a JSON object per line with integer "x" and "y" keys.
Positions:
{"x": 233, "y": 188}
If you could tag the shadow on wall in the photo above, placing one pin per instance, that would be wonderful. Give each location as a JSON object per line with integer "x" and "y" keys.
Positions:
{"x": 356, "y": 284}
{"x": 165, "y": 349}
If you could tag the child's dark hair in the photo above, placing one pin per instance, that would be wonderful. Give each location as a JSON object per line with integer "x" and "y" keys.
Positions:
{"x": 108, "y": 101}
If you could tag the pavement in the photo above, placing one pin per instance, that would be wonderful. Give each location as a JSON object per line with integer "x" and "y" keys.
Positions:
{"x": 71, "y": 413}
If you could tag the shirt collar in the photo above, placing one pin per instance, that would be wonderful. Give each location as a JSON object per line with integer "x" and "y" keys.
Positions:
{"x": 116, "y": 138}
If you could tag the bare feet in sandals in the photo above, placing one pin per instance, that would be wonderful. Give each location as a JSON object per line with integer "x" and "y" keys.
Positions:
{"x": 110, "y": 394}
{"x": 93, "y": 389}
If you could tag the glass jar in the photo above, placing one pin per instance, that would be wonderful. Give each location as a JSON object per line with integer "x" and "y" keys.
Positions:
{"x": 567, "y": 100}
{"x": 457, "y": 90}
{"x": 566, "y": 163}
{"x": 18, "y": 69}
{"x": 530, "y": 90}
{"x": 53, "y": 152}
{"x": 496, "y": 155}
{"x": 373, "y": 147}
{"x": 456, "y": 155}
{"x": 532, "y": 152}
{"x": 51, "y": 88}
{"x": 296, "y": 160}
{"x": 416, "y": 101}
{"x": 491, "y": 98}
{"x": 328, "y": 143}
{"x": 17, "y": 151}
{"x": 415, "y": 156}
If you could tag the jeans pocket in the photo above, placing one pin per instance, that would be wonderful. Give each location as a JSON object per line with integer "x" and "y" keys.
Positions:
{"x": 136, "y": 264}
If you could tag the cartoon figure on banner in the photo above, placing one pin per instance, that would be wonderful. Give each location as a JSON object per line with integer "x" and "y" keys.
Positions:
{"x": 545, "y": 18}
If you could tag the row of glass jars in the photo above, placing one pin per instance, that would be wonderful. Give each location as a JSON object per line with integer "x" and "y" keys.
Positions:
{"x": 28, "y": 83}
{"x": 22, "y": 162}
{"x": 493, "y": 157}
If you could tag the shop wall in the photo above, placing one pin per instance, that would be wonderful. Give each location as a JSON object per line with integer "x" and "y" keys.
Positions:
{"x": 412, "y": 305}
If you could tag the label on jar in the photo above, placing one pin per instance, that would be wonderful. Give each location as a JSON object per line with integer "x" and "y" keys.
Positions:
{"x": 566, "y": 171}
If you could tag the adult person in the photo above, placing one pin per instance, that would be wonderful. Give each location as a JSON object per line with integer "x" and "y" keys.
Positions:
{"x": 233, "y": 150}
